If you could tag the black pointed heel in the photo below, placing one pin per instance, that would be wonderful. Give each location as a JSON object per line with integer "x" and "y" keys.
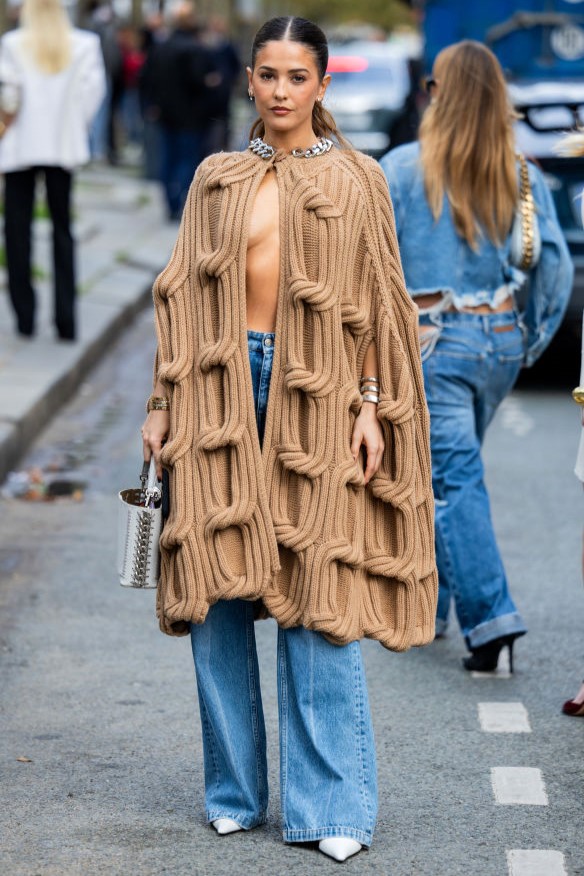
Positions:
{"x": 485, "y": 658}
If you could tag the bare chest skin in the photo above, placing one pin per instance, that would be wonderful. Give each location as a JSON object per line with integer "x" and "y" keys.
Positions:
{"x": 263, "y": 257}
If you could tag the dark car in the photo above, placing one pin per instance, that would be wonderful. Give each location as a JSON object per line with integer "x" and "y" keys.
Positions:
{"x": 548, "y": 110}
{"x": 372, "y": 94}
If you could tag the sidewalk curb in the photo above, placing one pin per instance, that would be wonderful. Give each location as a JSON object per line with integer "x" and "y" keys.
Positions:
{"x": 17, "y": 436}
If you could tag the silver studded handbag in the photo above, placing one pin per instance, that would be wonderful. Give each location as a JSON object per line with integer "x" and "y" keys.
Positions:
{"x": 139, "y": 527}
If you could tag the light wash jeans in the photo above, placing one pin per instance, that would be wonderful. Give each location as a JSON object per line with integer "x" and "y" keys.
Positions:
{"x": 469, "y": 368}
{"x": 328, "y": 781}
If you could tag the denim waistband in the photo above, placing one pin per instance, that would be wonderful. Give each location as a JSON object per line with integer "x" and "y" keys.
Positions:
{"x": 258, "y": 341}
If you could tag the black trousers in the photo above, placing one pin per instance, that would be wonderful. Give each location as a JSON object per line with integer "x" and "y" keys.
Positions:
{"x": 19, "y": 189}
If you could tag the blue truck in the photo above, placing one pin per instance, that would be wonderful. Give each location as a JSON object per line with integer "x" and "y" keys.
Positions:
{"x": 540, "y": 44}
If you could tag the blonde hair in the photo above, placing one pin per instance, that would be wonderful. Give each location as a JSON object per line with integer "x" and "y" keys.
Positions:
{"x": 467, "y": 143}
{"x": 47, "y": 34}
{"x": 571, "y": 145}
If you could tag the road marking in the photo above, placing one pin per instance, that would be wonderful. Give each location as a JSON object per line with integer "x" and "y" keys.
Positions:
{"x": 514, "y": 417}
{"x": 518, "y": 786}
{"x": 504, "y": 718}
{"x": 536, "y": 862}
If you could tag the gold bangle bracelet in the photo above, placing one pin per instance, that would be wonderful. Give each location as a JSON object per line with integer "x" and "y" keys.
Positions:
{"x": 157, "y": 403}
{"x": 578, "y": 395}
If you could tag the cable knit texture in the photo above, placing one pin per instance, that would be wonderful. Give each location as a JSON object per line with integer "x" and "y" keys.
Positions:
{"x": 292, "y": 525}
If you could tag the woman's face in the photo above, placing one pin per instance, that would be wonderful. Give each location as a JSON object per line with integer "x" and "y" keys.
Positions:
{"x": 285, "y": 83}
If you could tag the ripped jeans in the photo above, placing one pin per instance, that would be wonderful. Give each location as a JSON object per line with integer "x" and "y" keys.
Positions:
{"x": 471, "y": 362}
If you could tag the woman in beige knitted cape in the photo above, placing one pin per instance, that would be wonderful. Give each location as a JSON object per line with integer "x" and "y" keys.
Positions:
{"x": 310, "y": 503}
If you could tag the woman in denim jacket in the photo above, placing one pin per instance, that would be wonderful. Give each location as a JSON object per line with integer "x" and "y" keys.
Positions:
{"x": 455, "y": 194}
{"x": 572, "y": 146}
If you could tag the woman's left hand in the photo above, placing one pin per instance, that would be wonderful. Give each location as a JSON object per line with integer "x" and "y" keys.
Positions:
{"x": 367, "y": 431}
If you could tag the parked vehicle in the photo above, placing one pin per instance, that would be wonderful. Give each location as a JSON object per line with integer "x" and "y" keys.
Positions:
{"x": 540, "y": 44}
{"x": 372, "y": 94}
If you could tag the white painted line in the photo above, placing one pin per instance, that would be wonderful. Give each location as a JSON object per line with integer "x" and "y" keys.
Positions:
{"x": 518, "y": 786}
{"x": 504, "y": 666}
{"x": 536, "y": 862}
{"x": 504, "y": 718}
{"x": 515, "y": 418}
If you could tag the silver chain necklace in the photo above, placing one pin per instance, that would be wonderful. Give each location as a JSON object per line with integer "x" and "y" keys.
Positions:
{"x": 264, "y": 150}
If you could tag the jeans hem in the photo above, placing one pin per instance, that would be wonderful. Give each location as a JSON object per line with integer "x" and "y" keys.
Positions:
{"x": 318, "y": 833}
{"x": 244, "y": 823}
{"x": 505, "y": 625}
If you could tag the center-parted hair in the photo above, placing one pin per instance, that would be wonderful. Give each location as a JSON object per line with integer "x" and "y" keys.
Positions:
{"x": 310, "y": 35}
{"x": 467, "y": 143}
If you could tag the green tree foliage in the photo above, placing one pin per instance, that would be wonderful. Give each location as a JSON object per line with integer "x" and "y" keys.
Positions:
{"x": 386, "y": 14}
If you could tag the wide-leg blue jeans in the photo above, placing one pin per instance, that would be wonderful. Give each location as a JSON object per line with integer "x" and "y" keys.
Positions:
{"x": 473, "y": 363}
{"x": 327, "y": 756}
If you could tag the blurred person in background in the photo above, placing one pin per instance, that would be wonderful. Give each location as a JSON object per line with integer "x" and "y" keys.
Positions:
{"x": 153, "y": 33}
{"x": 455, "y": 195}
{"x": 226, "y": 60}
{"x": 58, "y": 74}
{"x": 575, "y": 706}
{"x": 572, "y": 146}
{"x": 133, "y": 58}
{"x": 104, "y": 133}
{"x": 181, "y": 80}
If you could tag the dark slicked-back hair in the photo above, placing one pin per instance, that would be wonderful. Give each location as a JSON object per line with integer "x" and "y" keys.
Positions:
{"x": 297, "y": 30}
{"x": 310, "y": 35}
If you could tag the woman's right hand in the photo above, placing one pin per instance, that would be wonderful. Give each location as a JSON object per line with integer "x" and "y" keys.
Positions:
{"x": 154, "y": 434}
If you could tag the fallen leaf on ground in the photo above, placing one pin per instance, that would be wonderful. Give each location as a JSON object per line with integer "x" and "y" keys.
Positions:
{"x": 24, "y": 759}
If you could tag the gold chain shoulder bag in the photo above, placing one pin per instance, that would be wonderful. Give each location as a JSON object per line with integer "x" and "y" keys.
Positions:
{"x": 525, "y": 246}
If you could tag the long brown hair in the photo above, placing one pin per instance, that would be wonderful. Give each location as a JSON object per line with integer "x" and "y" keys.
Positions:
{"x": 467, "y": 144}
{"x": 299, "y": 30}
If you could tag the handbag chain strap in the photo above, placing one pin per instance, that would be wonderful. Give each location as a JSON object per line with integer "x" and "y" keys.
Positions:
{"x": 142, "y": 550}
{"x": 527, "y": 209}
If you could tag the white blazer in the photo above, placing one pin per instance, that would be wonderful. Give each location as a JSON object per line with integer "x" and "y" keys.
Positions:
{"x": 56, "y": 109}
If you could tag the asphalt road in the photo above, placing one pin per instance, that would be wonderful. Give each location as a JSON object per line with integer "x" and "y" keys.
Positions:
{"x": 103, "y": 706}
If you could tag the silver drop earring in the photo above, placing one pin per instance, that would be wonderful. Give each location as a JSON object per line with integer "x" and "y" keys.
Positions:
{"x": 250, "y": 95}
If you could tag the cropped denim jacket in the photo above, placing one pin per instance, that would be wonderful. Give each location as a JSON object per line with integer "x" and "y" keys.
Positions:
{"x": 436, "y": 259}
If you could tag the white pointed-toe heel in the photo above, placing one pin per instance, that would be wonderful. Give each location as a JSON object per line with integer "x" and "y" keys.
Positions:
{"x": 339, "y": 847}
{"x": 226, "y": 825}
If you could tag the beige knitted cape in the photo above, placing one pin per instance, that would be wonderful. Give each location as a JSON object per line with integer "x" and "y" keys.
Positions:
{"x": 292, "y": 524}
